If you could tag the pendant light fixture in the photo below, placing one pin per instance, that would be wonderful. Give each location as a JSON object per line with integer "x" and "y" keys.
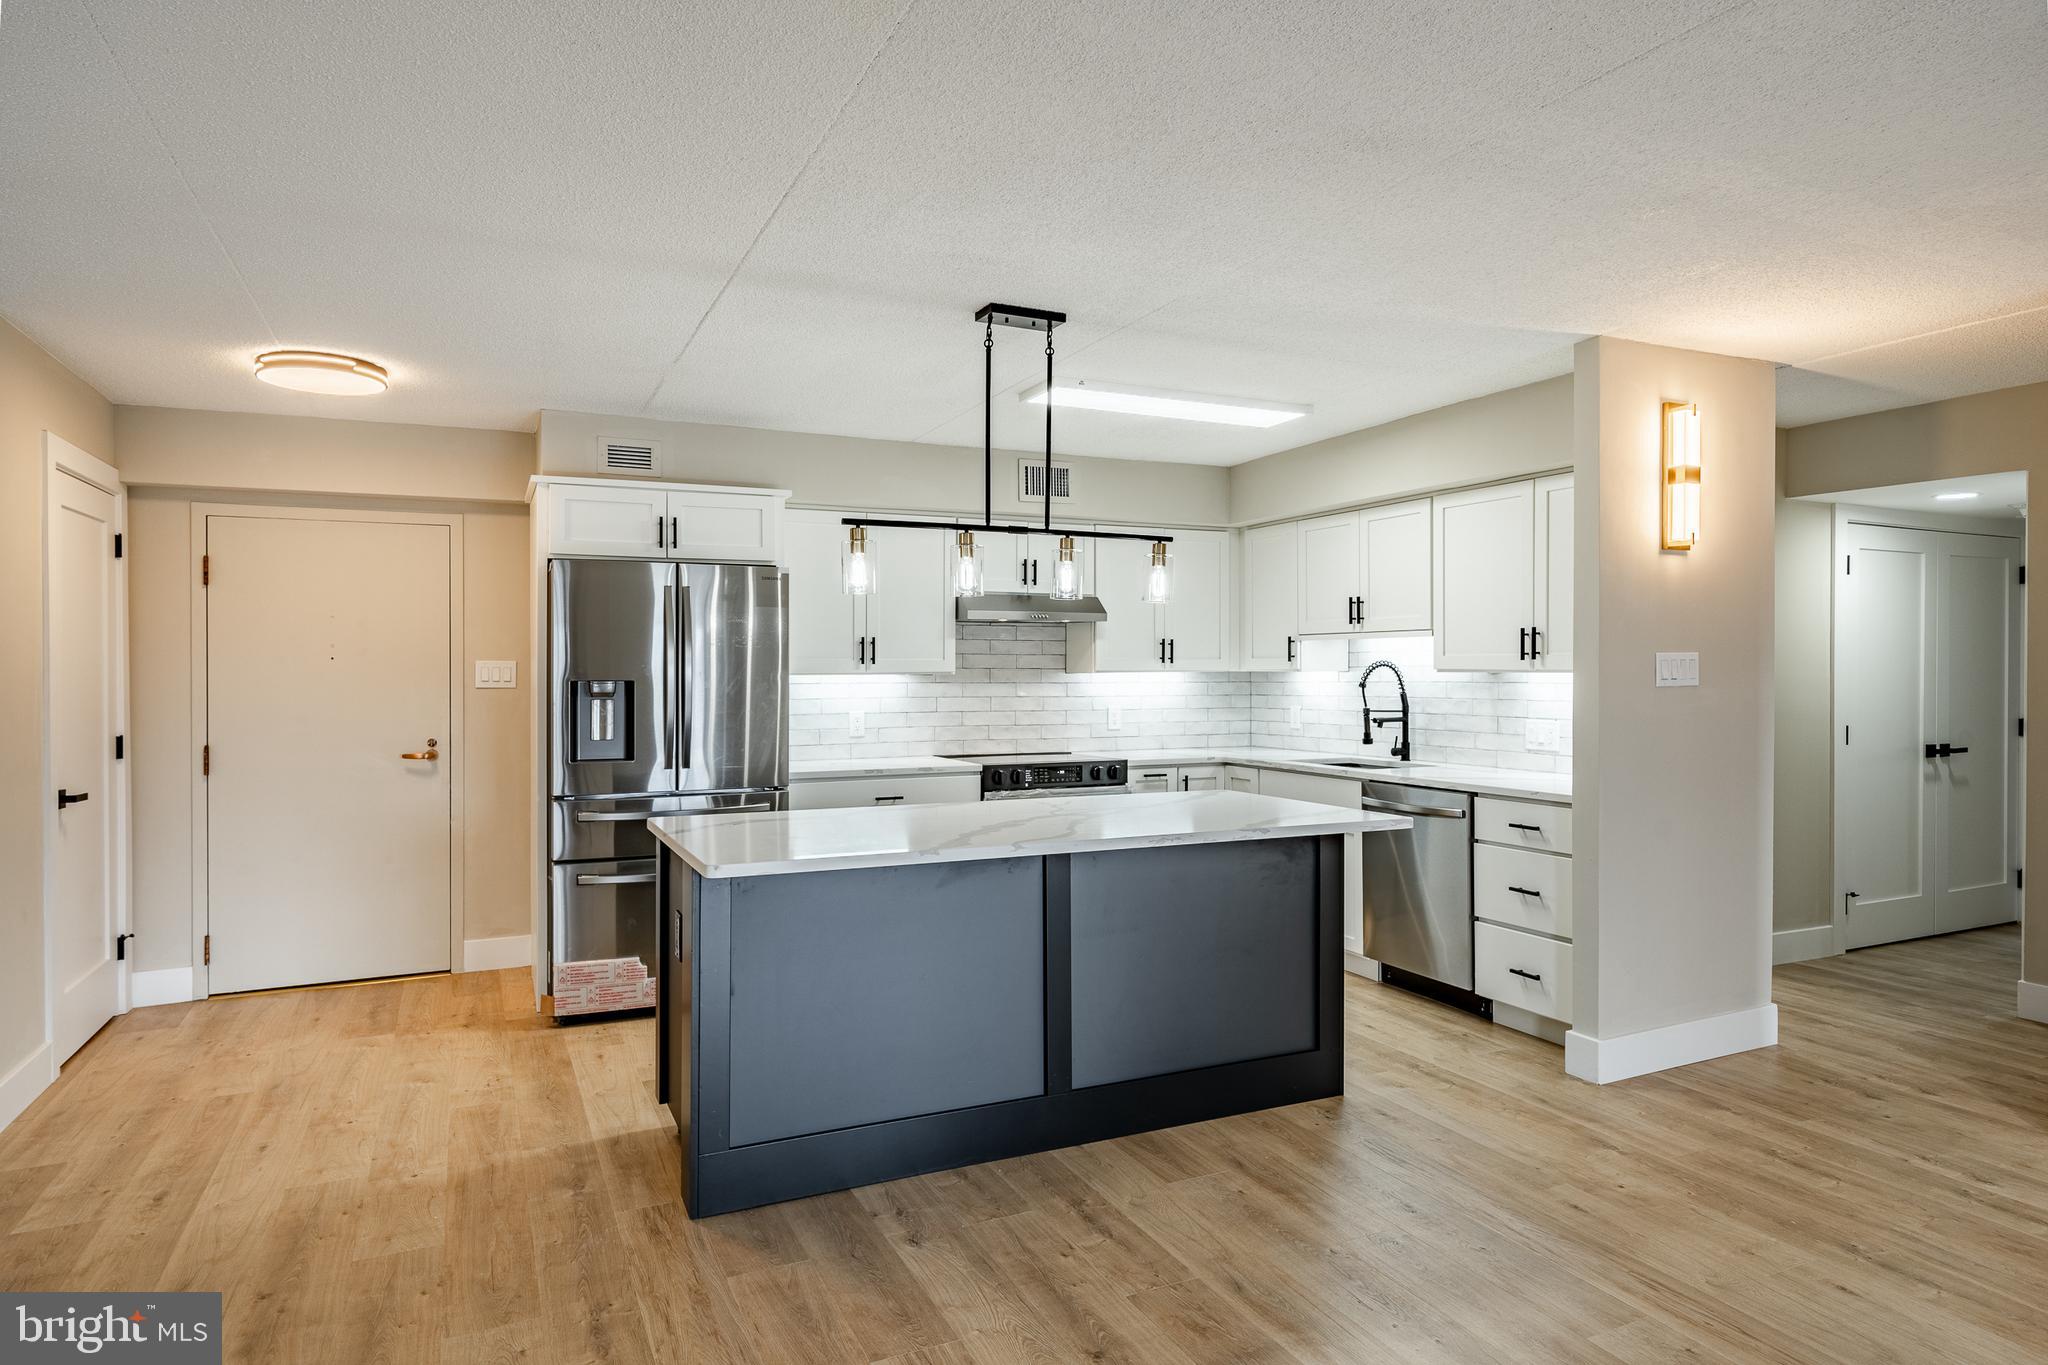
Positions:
{"x": 968, "y": 579}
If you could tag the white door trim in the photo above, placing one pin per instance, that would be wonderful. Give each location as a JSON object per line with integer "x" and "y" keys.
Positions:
{"x": 457, "y": 680}
{"x": 62, "y": 457}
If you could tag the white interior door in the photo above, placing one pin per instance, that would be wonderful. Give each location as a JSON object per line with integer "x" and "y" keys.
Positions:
{"x": 328, "y": 664}
{"x": 85, "y": 647}
{"x": 1272, "y": 596}
{"x": 1924, "y": 657}
{"x": 1484, "y": 552}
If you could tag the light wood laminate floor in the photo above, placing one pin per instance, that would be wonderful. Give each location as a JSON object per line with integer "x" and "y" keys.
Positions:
{"x": 421, "y": 1171}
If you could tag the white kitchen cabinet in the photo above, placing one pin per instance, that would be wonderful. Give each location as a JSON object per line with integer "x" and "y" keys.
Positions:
{"x": 1241, "y": 779}
{"x": 1552, "y": 643}
{"x": 1190, "y": 633}
{"x": 1203, "y": 777}
{"x": 1329, "y": 566}
{"x": 1157, "y": 777}
{"x": 904, "y": 626}
{"x": 1024, "y": 563}
{"x": 1272, "y": 597}
{"x": 845, "y": 793}
{"x": 1394, "y": 567}
{"x": 1485, "y": 577}
{"x": 1330, "y": 791}
{"x": 635, "y": 519}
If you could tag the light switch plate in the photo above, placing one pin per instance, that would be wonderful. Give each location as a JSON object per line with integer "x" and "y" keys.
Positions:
{"x": 1543, "y": 736}
{"x": 1678, "y": 670}
{"x": 497, "y": 673}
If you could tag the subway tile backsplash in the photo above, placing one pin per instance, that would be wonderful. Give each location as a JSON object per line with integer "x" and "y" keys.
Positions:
{"x": 1009, "y": 691}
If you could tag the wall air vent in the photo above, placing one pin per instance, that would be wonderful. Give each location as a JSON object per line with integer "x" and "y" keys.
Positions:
{"x": 615, "y": 456}
{"x": 1031, "y": 480}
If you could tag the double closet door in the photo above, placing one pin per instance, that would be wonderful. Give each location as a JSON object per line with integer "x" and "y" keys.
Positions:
{"x": 1927, "y": 682}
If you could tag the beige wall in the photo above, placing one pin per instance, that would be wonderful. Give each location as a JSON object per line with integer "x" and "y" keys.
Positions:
{"x": 1803, "y": 756}
{"x": 845, "y": 471}
{"x": 1984, "y": 433}
{"x": 229, "y": 457}
{"x": 1500, "y": 436}
{"x": 36, "y": 395}
{"x": 242, "y": 451}
{"x": 1672, "y": 842}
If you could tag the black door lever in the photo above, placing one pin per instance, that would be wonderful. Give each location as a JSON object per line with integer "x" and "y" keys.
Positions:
{"x": 65, "y": 798}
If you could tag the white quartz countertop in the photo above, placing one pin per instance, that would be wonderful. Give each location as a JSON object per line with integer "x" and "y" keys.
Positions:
{"x": 775, "y": 842}
{"x": 810, "y": 769}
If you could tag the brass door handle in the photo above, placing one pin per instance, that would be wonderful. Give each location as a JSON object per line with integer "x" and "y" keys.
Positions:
{"x": 431, "y": 753}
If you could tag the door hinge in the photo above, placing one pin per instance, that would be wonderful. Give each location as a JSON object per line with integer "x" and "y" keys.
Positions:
{"x": 117, "y": 544}
{"x": 205, "y": 570}
{"x": 120, "y": 747}
{"x": 206, "y": 951}
{"x": 206, "y": 760}
{"x": 121, "y": 947}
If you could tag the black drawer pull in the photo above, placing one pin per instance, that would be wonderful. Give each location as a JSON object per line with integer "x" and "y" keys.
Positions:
{"x": 1531, "y": 976}
{"x": 1533, "y": 829}
{"x": 1525, "y": 891}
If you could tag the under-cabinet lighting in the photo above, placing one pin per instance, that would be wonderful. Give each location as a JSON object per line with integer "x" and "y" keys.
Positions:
{"x": 1143, "y": 402}
{"x": 1681, "y": 476}
{"x": 1953, "y": 497}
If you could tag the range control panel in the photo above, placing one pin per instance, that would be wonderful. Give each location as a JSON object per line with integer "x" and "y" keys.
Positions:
{"x": 1078, "y": 774}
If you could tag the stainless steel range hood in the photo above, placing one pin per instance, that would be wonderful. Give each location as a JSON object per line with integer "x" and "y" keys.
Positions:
{"x": 1027, "y": 608}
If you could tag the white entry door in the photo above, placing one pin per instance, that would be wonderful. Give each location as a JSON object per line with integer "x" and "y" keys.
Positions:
{"x": 1924, "y": 699}
{"x": 329, "y": 816}
{"x": 85, "y": 649}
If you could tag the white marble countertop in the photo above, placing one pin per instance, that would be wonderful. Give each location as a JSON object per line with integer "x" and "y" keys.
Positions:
{"x": 809, "y": 769}
{"x": 774, "y": 842}
{"x": 1508, "y": 782}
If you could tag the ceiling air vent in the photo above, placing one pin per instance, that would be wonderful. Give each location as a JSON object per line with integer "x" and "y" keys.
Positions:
{"x": 616, "y": 456}
{"x": 1031, "y": 480}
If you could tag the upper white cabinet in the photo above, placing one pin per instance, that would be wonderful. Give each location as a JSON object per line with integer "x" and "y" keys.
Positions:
{"x": 1497, "y": 609}
{"x": 1366, "y": 571}
{"x": 630, "y": 519}
{"x": 904, "y": 626}
{"x": 1190, "y": 633}
{"x": 1024, "y": 563}
{"x": 1272, "y": 597}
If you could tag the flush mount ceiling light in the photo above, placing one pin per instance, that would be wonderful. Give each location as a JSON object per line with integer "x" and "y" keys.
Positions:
{"x": 1953, "y": 497}
{"x": 321, "y": 372}
{"x": 857, "y": 572}
{"x": 1143, "y": 402}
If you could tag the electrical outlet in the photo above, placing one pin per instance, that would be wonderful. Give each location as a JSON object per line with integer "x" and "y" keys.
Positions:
{"x": 856, "y": 723}
{"x": 1116, "y": 718}
{"x": 1544, "y": 736}
{"x": 1678, "y": 670}
{"x": 1294, "y": 719}
{"x": 497, "y": 673}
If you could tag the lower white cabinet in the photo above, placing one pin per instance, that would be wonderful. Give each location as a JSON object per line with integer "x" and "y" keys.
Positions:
{"x": 1241, "y": 779}
{"x": 1205, "y": 777}
{"x": 1527, "y": 971}
{"x": 837, "y": 793}
{"x": 1522, "y": 909}
{"x": 1156, "y": 777}
{"x": 1330, "y": 791}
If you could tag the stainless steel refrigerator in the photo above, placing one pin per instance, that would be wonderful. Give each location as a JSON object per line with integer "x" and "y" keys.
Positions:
{"x": 668, "y": 692}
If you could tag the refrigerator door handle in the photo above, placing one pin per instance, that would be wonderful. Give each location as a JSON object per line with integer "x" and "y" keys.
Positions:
{"x": 617, "y": 879}
{"x": 679, "y": 654}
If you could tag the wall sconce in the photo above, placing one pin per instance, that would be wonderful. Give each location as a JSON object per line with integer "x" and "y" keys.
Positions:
{"x": 1681, "y": 475}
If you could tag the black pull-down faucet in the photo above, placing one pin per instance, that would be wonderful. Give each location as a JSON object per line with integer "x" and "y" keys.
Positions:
{"x": 1402, "y": 749}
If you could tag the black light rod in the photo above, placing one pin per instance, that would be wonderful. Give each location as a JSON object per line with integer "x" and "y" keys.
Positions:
{"x": 1145, "y": 536}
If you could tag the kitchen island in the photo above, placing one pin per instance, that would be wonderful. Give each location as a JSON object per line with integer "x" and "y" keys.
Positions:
{"x": 848, "y": 996}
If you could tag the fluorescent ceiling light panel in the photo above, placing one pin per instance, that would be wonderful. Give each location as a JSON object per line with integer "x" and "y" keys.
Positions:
{"x": 1953, "y": 497}
{"x": 1186, "y": 407}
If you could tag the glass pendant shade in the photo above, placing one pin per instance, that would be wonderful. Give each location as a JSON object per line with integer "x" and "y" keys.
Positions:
{"x": 967, "y": 579}
{"x": 1158, "y": 578}
{"x": 1066, "y": 573}
{"x": 857, "y": 572}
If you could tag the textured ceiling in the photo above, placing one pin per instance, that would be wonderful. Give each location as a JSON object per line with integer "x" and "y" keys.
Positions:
{"x": 783, "y": 215}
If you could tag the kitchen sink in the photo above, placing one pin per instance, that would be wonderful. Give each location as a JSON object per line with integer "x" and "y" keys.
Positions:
{"x": 1358, "y": 762}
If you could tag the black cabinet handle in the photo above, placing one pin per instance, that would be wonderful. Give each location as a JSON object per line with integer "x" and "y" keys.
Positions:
{"x": 65, "y": 798}
{"x": 1527, "y": 976}
{"x": 1290, "y": 649}
{"x": 1172, "y": 650}
{"x": 1535, "y": 642}
{"x": 1532, "y": 829}
{"x": 1522, "y": 649}
{"x": 661, "y": 533}
{"x": 862, "y": 642}
{"x": 1525, "y": 891}
{"x": 675, "y": 533}
{"x": 874, "y": 649}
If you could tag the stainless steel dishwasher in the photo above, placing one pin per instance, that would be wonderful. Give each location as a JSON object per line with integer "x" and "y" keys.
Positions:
{"x": 1418, "y": 889}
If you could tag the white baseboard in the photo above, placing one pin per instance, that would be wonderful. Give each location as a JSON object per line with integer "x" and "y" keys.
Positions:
{"x": 165, "y": 986}
{"x": 2034, "y": 1001}
{"x": 1802, "y": 945}
{"x": 496, "y": 954}
{"x": 1602, "y": 1060}
{"x": 1360, "y": 965}
{"x": 19, "y": 1088}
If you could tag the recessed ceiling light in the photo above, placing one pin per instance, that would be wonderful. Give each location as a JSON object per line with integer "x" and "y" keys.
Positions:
{"x": 1953, "y": 497}
{"x": 1188, "y": 407}
{"x": 321, "y": 372}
